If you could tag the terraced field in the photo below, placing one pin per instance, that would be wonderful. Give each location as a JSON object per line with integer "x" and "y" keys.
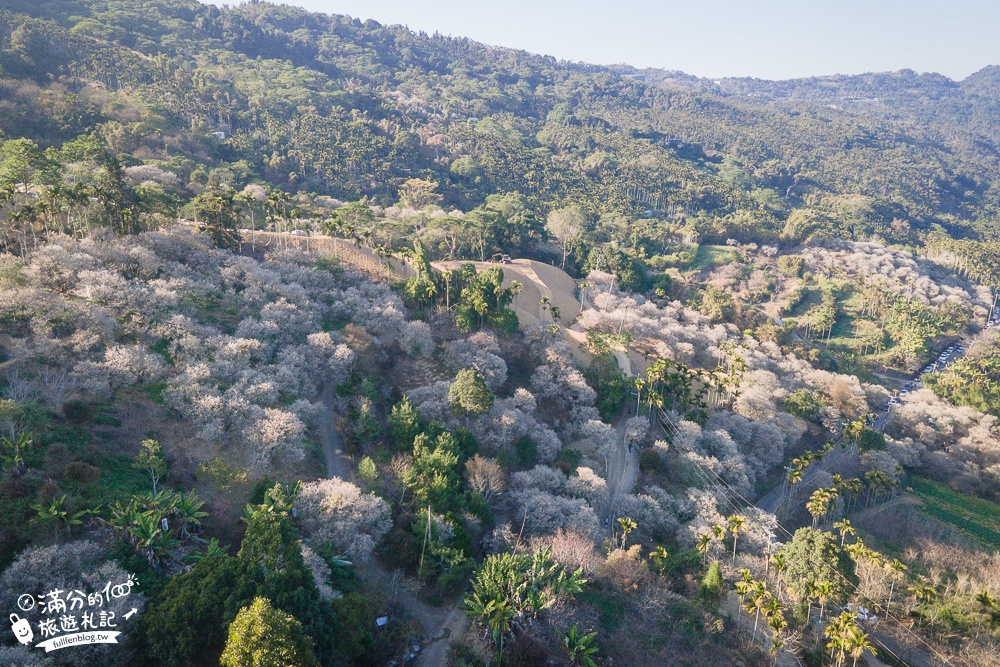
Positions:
{"x": 973, "y": 516}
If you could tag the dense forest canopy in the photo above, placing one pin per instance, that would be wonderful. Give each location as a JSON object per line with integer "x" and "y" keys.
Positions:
{"x": 336, "y": 106}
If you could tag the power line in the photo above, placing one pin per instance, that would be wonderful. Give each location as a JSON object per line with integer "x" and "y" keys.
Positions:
{"x": 665, "y": 420}
{"x": 707, "y": 471}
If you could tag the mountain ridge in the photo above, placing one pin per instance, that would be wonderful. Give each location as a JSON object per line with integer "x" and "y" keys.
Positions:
{"x": 337, "y": 106}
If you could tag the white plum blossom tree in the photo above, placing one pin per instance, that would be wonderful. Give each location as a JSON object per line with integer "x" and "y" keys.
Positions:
{"x": 338, "y": 513}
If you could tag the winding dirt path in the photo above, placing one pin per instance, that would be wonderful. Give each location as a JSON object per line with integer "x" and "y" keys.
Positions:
{"x": 333, "y": 453}
{"x": 622, "y": 473}
{"x": 438, "y": 624}
{"x": 623, "y": 464}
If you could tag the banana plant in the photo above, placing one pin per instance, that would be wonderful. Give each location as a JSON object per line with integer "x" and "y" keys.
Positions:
{"x": 149, "y": 537}
{"x": 162, "y": 502}
{"x": 55, "y": 511}
{"x": 538, "y": 600}
{"x": 278, "y": 500}
{"x": 569, "y": 585}
{"x": 14, "y": 460}
{"x": 496, "y": 614}
{"x": 212, "y": 549}
{"x": 579, "y": 647}
{"x": 121, "y": 517}
{"x": 187, "y": 509}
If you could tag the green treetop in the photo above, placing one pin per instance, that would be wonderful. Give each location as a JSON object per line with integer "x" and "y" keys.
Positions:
{"x": 262, "y": 636}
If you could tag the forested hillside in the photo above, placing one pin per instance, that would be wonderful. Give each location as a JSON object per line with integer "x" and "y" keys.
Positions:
{"x": 342, "y": 344}
{"x": 335, "y": 106}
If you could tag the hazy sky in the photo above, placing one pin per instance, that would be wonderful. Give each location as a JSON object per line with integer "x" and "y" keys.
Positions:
{"x": 773, "y": 39}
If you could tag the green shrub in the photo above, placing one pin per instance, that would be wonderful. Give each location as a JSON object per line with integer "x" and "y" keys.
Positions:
{"x": 651, "y": 462}
{"x": 711, "y": 583}
{"x": 567, "y": 460}
{"x": 77, "y": 412}
{"x": 610, "y": 383}
{"x": 527, "y": 452}
{"x": 804, "y": 403}
{"x": 354, "y": 619}
{"x": 82, "y": 473}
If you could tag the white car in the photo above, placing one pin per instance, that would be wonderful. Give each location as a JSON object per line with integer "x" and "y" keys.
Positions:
{"x": 863, "y": 614}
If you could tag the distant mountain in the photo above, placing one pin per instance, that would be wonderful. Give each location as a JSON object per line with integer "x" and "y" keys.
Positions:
{"x": 972, "y": 104}
{"x": 337, "y": 106}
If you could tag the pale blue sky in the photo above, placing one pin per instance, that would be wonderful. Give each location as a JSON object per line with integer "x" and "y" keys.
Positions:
{"x": 773, "y": 39}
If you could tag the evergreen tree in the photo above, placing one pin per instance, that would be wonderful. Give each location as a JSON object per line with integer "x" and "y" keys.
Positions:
{"x": 469, "y": 394}
{"x": 711, "y": 584}
{"x": 262, "y": 636}
{"x": 404, "y": 425}
{"x": 814, "y": 556}
{"x": 117, "y": 198}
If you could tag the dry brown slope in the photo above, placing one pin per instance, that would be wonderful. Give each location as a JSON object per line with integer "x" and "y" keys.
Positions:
{"x": 538, "y": 280}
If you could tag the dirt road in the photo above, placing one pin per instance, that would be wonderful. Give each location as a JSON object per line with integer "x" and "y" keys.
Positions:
{"x": 537, "y": 280}
{"x": 333, "y": 453}
{"x": 622, "y": 473}
{"x": 438, "y": 624}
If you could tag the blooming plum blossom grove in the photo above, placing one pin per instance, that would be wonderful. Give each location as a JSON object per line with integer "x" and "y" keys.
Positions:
{"x": 237, "y": 346}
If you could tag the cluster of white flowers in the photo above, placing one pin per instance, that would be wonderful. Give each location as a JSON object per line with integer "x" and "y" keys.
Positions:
{"x": 737, "y": 449}
{"x": 671, "y": 331}
{"x": 958, "y": 445}
{"x": 557, "y": 381}
{"x": 902, "y": 272}
{"x": 321, "y": 573}
{"x": 148, "y": 174}
{"x": 238, "y": 345}
{"x": 544, "y": 501}
{"x": 416, "y": 339}
{"x": 338, "y": 513}
{"x": 481, "y": 352}
{"x": 509, "y": 420}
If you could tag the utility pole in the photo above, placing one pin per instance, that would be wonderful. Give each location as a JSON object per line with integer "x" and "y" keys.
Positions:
{"x": 781, "y": 494}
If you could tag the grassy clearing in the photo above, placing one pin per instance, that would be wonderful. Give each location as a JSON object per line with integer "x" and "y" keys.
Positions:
{"x": 120, "y": 480}
{"x": 608, "y": 604}
{"x": 973, "y": 516}
{"x": 709, "y": 256}
{"x": 843, "y": 333}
